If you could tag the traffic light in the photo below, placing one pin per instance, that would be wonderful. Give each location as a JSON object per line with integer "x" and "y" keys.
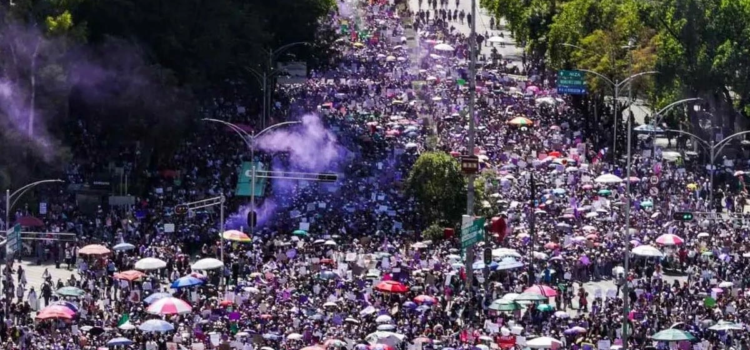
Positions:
{"x": 328, "y": 177}
{"x": 682, "y": 216}
{"x": 252, "y": 218}
{"x": 181, "y": 209}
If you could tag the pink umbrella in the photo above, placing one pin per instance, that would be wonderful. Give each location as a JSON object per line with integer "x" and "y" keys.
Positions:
{"x": 169, "y": 306}
{"x": 634, "y": 179}
{"x": 669, "y": 239}
{"x": 532, "y": 88}
{"x": 424, "y": 299}
{"x": 587, "y": 187}
{"x": 541, "y": 290}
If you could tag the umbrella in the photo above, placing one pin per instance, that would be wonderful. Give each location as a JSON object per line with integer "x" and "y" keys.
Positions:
{"x": 384, "y": 337}
{"x": 123, "y": 246}
{"x": 187, "y": 281}
{"x": 508, "y": 264}
{"x": 120, "y": 341}
{"x": 383, "y": 319}
{"x": 334, "y": 343}
{"x": 530, "y": 297}
{"x": 156, "y": 296}
{"x": 30, "y": 221}
{"x": 424, "y": 299}
{"x": 726, "y": 326}
{"x": 521, "y": 121}
{"x": 672, "y": 334}
{"x": 505, "y": 305}
{"x": 294, "y": 336}
{"x": 545, "y": 308}
{"x": 70, "y": 291}
{"x": 94, "y": 249}
{"x": 608, "y": 179}
{"x": 236, "y": 236}
{"x": 543, "y": 343}
{"x": 444, "y": 47}
{"x": 300, "y": 233}
{"x": 169, "y": 306}
{"x": 647, "y": 251}
{"x": 207, "y": 264}
{"x": 391, "y": 287}
{"x": 562, "y": 314}
{"x": 150, "y": 264}
{"x": 127, "y": 326}
{"x": 669, "y": 239}
{"x": 156, "y": 326}
{"x": 328, "y": 275}
{"x": 55, "y": 312}
{"x": 541, "y": 290}
{"x": 130, "y": 275}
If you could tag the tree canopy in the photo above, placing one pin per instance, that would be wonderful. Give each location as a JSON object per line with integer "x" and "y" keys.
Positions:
{"x": 136, "y": 70}
{"x": 699, "y": 47}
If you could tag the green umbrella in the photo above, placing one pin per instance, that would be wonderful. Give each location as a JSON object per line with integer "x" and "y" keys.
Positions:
{"x": 545, "y": 307}
{"x": 605, "y": 192}
{"x": 505, "y": 305}
{"x": 672, "y": 334}
{"x": 70, "y": 291}
{"x": 300, "y": 233}
{"x": 530, "y": 297}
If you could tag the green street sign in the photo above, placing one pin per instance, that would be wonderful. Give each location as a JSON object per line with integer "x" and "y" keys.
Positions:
{"x": 570, "y": 74}
{"x": 472, "y": 232}
{"x": 567, "y": 82}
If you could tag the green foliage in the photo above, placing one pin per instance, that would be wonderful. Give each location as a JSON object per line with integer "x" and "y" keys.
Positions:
{"x": 434, "y": 233}
{"x": 438, "y": 186}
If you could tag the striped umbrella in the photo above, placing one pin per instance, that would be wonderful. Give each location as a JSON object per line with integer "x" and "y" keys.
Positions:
{"x": 169, "y": 306}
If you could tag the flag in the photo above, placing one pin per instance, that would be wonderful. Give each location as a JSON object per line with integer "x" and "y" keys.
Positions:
{"x": 460, "y": 82}
{"x": 125, "y": 318}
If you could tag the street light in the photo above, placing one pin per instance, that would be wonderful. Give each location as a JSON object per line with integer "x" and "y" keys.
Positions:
{"x": 714, "y": 149}
{"x": 270, "y": 73}
{"x": 249, "y": 139}
{"x": 660, "y": 114}
{"x": 616, "y": 85}
{"x": 18, "y": 194}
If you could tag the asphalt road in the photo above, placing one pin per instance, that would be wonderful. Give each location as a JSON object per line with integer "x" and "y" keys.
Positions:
{"x": 509, "y": 51}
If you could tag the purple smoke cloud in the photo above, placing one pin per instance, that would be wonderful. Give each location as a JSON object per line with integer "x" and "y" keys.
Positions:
{"x": 264, "y": 212}
{"x": 310, "y": 146}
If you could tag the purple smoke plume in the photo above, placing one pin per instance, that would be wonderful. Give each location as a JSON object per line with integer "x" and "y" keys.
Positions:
{"x": 238, "y": 220}
{"x": 310, "y": 146}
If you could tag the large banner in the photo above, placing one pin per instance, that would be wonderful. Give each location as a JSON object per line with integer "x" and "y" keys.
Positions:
{"x": 245, "y": 180}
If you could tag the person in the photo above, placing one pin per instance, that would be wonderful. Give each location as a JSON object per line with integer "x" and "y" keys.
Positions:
{"x": 46, "y": 292}
{"x": 33, "y": 300}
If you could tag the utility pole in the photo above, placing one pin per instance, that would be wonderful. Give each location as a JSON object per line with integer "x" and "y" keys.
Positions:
{"x": 532, "y": 228}
{"x": 472, "y": 135}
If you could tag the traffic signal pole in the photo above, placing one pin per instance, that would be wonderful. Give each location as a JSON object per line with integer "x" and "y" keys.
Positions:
{"x": 184, "y": 208}
{"x": 472, "y": 135}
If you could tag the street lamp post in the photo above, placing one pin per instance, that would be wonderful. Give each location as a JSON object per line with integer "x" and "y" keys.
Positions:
{"x": 472, "y": 138}
{"x": 18, "y": 194}
{"x": 714, "y": 149}
{"x": 270, "y": 73}
{"x": 249, "y": 139}
{"x": 616, "y": 85}
{"x": 660, "y": 114}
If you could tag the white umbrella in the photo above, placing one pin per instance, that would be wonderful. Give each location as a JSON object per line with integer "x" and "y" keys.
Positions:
{"x": 509, "y": 264}
{"x": 294, "y": 336}
{"x": 726, "y": 284}
{"x": 608, "y": 179}
{"x": 495, "y": 39}
{"x": 123, "y": 246}
{"x": 726, "y": 326}
{"x": 207, "y": 264}
{"x": 385, "y": 337}
{"x": 383, "y": 319}
{"x": 647, "y": 251}
{"x": 542, "y": 343}
{"x": 503, "y": 252}
{"x": 127, "y": 326}
{"x": 562, "y": 314}
{"x": 703, "y": 235}
{"x": 444, "y": 47}
{"x": 150, "y": 264}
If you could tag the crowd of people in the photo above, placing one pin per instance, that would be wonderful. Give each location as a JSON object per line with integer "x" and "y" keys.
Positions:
{"x": 345, "y": 265}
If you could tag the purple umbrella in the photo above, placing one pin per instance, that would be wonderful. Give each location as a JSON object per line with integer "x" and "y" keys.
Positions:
{"x": 584, "y": 260}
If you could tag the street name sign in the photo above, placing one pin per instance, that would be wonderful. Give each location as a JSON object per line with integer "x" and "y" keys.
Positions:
{"x": 571, "y": 82}
{"x": 472, "y": 231}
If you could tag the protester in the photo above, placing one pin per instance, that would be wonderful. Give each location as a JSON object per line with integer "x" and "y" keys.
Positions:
{"x": 345, "y": 266}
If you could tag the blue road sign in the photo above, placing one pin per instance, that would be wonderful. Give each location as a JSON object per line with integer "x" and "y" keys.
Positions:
{"x": 571, "y": 90}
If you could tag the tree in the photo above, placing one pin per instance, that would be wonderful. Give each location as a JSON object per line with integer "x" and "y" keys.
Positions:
{"x": 438, "y": 186}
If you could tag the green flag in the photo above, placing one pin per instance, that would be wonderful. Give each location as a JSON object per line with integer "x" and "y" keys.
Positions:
{"x": 125, "y": 318}
{"x": 461, "y": 82}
